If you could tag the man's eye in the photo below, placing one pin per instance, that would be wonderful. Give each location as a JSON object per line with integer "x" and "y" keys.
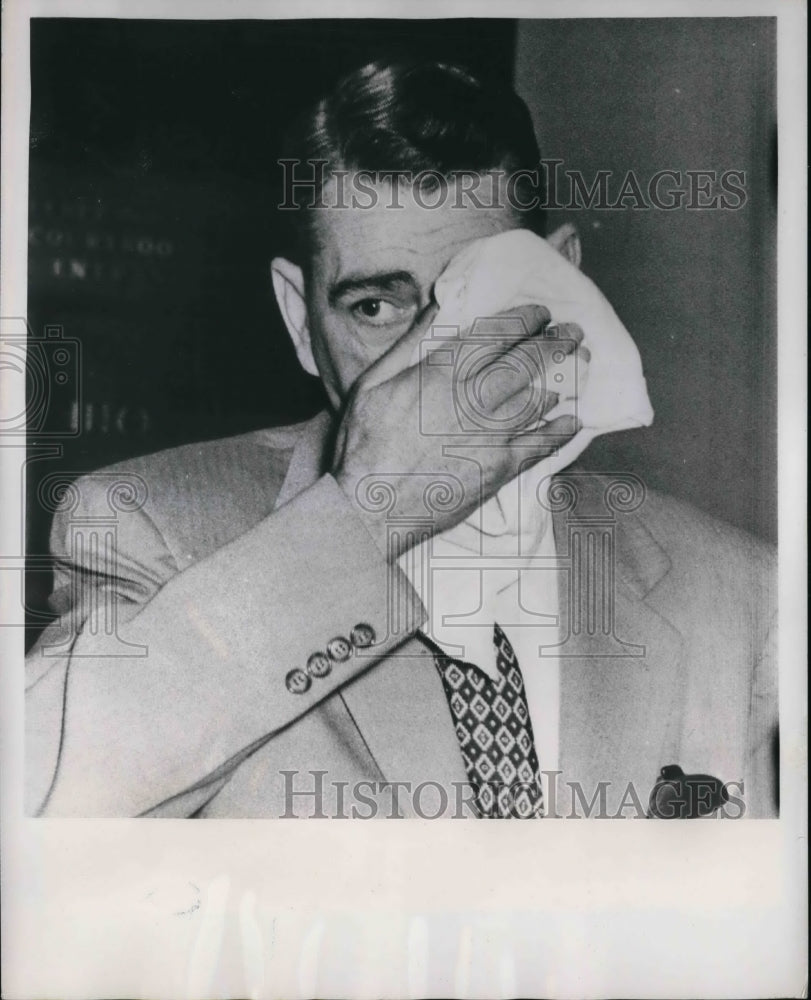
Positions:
{"x": 379, "y": 312}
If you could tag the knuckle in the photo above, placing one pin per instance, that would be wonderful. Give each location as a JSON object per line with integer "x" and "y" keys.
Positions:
{"x": 533, "y": 316}
{"x": 541, "y": 316}
{"x": 573, "y": 331}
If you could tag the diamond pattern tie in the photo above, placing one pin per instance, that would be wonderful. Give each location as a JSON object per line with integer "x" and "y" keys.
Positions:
{"x": 495, "y": 732}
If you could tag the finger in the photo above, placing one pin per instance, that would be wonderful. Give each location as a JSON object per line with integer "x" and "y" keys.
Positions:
{"x": 519, "y": 363}
{"x": 517, "y": 415}
{"x": 503, "y": 370}
{"x": 570, "y": 335}
{"x": 551, "y": 435}
{"x": 535, "y": 446}
{"x": 583, "y": 359}
{"x": 406, "y": 351}
{"x": 502, "y": 330}
{"x": 532, "y": 316}
{"x": 527, "y": 381}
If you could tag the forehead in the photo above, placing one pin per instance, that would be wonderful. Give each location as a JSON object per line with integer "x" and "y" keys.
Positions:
{"x": 387, "y": 227}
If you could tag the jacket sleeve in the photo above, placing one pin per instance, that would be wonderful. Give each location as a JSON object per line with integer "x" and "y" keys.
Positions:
{"x": 194, "y": 674}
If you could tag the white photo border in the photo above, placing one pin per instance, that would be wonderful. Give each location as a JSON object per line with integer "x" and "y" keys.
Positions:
{"x": 268, "y": 909}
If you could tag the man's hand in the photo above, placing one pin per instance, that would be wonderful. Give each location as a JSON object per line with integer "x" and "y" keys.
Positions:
{"x": 471, "y": 415}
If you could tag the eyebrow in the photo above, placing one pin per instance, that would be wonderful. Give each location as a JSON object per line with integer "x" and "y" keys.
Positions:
{"x": 383, "y": 281}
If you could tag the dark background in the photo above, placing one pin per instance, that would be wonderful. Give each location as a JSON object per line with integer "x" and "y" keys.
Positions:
{"x": 153, "y": 182}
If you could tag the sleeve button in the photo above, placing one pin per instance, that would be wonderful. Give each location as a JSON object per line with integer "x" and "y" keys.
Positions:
{"x": 319, "y": 665}
{"x": 297, "y": 681}
{"x": 339, "y": 648}
{"x": 362, "y": 635}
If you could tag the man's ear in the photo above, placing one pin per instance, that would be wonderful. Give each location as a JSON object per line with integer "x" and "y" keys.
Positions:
{"x": 566, "y": 240}
{"x": 288, "y": 286}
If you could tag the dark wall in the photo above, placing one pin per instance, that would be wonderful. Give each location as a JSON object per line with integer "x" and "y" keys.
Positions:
{"x": 694, "y": 286}
{"x": 153, "y": 184}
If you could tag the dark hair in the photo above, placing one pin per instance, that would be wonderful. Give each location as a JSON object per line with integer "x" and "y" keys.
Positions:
{"x": 412, "y": 116}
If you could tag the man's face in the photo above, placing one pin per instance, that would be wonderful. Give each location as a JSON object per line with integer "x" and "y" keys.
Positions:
{"x": 372, "y": 271}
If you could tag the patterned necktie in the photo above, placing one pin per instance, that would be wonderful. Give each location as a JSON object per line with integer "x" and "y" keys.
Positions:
{"x": 495, "y": 732}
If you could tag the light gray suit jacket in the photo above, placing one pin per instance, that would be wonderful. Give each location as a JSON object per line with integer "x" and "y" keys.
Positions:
{"x": 161, "y": 689}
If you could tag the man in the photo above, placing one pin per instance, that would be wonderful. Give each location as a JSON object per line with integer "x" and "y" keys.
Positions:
{"x": 263, "y": 650}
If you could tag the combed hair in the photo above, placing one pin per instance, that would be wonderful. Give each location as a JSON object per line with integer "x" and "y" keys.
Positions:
{"x": 415, "y": 116}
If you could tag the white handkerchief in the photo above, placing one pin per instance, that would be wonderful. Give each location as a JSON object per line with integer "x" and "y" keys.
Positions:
{"x": 457, "y": 574}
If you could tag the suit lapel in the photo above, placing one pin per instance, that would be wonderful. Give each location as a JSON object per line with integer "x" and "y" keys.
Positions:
{"x": 621, "y": 689}
{"x": 308, "y": 458}
{"x": 402, "y": 713}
